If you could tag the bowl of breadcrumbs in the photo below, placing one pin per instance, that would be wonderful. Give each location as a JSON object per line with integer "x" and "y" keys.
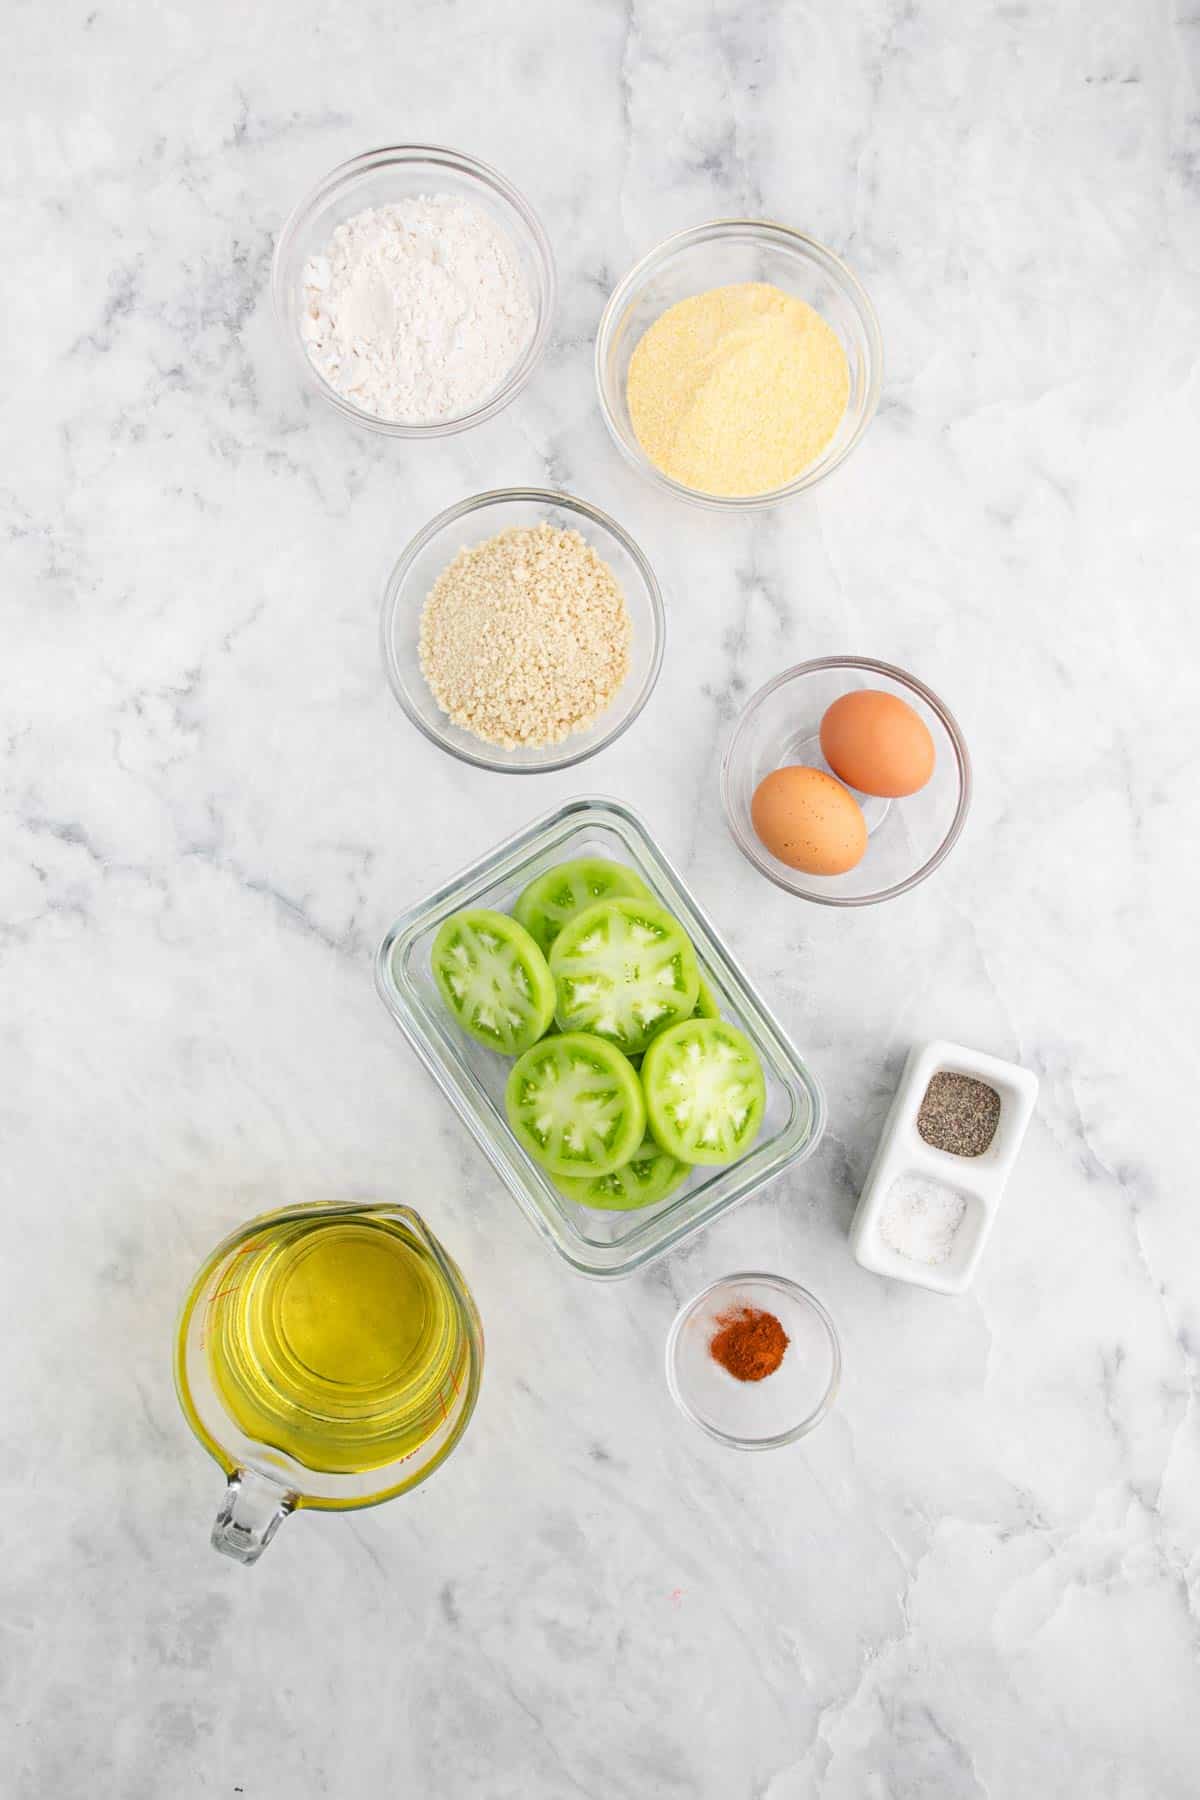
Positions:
{"x": 522, "y": 630}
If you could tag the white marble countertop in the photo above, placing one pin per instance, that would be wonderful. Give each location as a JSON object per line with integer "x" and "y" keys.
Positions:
{"x": 980, "y": 1576}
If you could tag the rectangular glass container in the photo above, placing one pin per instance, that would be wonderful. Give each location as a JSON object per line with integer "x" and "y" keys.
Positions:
{"x": 597, "y": 1243}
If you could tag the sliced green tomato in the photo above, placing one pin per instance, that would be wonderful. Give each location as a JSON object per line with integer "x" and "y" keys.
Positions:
{"x": 706, "y": 1002}
{"x": 625, "y": 970}
{"x": 575, "y": 1104}
{"x": 494, "y": 979}
{"x": 554, "y": 898}
{"x": 648, "y": 1177}
{"x": 705, "y": 1093}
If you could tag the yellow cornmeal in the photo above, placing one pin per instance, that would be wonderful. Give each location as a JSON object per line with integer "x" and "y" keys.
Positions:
{"x": 738, "y": 390}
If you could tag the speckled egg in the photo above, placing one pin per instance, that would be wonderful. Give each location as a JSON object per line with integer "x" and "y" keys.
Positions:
{"x": 809, "y": 821}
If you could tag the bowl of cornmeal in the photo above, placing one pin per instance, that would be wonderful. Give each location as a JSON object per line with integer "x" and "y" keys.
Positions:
{"x": 739, "y": 363}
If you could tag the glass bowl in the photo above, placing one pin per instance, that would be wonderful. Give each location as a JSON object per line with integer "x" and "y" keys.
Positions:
{"x": 714, "y": 255}
{"x": 596, "y": 1243}
{"x": 379, "y": 178}
{"x": 755, "y": 1415}
{"x": 470, "y": 522}
{"x": 908, "y": 838}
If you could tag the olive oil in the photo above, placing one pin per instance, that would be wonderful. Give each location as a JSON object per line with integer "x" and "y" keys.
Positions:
{"x": 336, "y": 1341}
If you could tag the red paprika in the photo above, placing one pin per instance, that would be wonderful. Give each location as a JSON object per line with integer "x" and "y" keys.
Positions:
{"x": 749, "y": 1343}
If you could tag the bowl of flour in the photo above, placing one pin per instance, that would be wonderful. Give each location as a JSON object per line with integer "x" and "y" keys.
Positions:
{"x": 415, "y": 289}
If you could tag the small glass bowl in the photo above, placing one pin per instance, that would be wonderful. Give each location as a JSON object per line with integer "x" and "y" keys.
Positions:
{"x": 470, "y": 522}
{"x": 755, "y": 1415}
{"x": 908, "y": 838}
{"x": 380, "y": 178}
{"x": 714, "y": 255}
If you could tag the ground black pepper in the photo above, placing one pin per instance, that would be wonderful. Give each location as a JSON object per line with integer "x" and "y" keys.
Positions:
{"x": 959, "y": 1114}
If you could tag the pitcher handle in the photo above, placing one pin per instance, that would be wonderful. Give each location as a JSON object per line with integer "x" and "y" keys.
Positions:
{"x": 251, "y": 1513}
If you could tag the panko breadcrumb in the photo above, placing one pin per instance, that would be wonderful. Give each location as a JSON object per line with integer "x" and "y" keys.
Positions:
{"x": 525, "y": 637}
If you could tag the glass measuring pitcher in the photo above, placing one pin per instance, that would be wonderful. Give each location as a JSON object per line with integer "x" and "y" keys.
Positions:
{"x": 327, "y": 1356}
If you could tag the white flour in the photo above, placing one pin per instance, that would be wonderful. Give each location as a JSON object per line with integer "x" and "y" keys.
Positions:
{"x": 417, "y": 311}
{"x": 921, "y": 1219}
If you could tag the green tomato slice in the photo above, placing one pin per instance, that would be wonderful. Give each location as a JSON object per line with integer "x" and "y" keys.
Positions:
{"x": 625, "y": 970}
{"x": 550, "y": 901}
{"x": 706, "y": 1002}
{"x": 575, "y": 1104}
{"x": 494, "y": 979}
{"x": 648, "y": 1177}
{"x": 705, "y": 1092}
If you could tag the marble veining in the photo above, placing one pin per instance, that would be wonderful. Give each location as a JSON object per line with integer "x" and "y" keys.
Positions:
{"x": 980, "y": 1577}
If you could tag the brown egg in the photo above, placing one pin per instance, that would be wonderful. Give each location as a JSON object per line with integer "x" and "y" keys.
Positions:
{"x": 809, "y": 821}
{"x": 877, "y": 743}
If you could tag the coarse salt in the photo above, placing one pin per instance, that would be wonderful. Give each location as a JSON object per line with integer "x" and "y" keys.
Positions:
{"x": 921, "y": 1219}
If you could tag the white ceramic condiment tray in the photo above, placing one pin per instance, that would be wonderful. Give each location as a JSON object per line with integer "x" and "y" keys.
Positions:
{"x": 979, "y": 1179}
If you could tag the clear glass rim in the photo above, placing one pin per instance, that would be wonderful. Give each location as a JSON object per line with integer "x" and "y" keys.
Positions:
{"x": 753, "y": 851}
{"x": 793, "y": 1289}
{"x": 771, "y": 230}
{"x": 436, "y": 156}
{"x": 493, "y": 759}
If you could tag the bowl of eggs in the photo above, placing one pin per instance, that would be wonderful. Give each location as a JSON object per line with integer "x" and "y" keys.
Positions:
{"x": 846, "y": 781}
